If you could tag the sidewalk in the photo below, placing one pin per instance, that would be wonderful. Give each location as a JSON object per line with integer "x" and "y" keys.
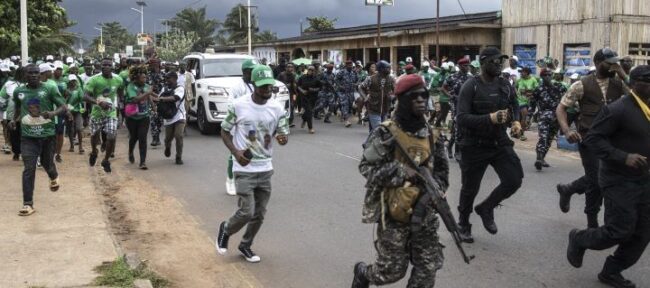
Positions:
{"x": 67, "y": 237}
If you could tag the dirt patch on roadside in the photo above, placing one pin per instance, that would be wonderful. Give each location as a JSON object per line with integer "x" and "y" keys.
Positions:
{"x": 156, "y": 227}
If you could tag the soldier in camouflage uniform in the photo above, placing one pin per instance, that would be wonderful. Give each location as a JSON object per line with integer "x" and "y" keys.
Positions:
{"x": 547, "y": 96}
{"x": 347, "y": 81}
{"x": 156, "y": 80}
{"x": 387, "y": 171}
{"x": 327, "y": 95}
{"x": 452, "y": 87}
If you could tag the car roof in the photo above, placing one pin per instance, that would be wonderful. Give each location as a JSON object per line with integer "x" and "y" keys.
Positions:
{"x": 218, "y": 56}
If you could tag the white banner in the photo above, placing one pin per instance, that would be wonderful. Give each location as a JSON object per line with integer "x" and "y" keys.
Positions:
{"x": 380, "y": 2}
{"x": 335, "y": 56}
{"x": 129, "y": 51}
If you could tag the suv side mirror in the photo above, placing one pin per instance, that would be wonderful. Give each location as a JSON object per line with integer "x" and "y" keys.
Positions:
{"x": 276, "y": 90}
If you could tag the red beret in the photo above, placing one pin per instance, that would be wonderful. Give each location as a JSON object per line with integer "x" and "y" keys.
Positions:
{"x": 409, "y": 67}
{"x": 545, "y": 71}
{"x": 408, "y": 82}
{"x": 463, "y": 61}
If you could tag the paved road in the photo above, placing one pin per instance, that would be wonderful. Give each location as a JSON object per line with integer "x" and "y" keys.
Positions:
{"x": 313, "y": 235}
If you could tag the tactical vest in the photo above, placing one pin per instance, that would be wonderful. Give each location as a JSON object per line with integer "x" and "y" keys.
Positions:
{"x": 401, "y": 200}
{"x": 592, "y": 99}
{"x": 379, "y": 99}
{"x": 485, "y": 102}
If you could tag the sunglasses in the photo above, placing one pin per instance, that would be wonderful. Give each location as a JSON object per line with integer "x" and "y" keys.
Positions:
{"x": 414, "y": 94}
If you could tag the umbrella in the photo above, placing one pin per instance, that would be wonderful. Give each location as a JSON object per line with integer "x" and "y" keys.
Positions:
{"x": 301, "y": 61}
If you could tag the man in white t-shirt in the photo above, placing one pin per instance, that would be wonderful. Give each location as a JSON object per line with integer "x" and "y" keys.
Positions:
{"x": 248, "y": 131}
{"x": 175, "y": 126}
{"x": 513, "y": 70}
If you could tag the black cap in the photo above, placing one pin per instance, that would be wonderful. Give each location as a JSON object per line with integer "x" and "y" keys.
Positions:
{"x": 640, "y": 73}
{"x": 171, "y": 75}
{"x": 606, "y": 54}
{"x": 491, "y": 52}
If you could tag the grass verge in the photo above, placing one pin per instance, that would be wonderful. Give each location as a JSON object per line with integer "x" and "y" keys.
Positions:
{"x": 118, "y": 274}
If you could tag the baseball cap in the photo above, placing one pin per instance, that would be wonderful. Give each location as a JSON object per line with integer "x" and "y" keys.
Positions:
{"x": 69, "y": 60}
{"x": 49, "y": 57}
{"x": 640, "y": 73}
{"x": 72, "y": 77}
{"x": 574, "y": 76}
{"x": 4, "y": 67}
{"x": 358, "y": 63}
{"x": 262, "y": 75}
{"x": 409, "y": 59}
{"x": 490, "y": 53}
{"x": 475, "y": 64}
{"x": 58, "y": 65}
{"x": 45, "y": 67}
{"x": 606, "y": 54}
{"x": 515, "y": 58}
{"x": 248, "y": 64}
{"x": 426, "y": 64}
{"x": 401, "y": 63}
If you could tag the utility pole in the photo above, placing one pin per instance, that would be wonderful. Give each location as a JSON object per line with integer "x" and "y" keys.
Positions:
{"x": 23, "y": 33}
{"x": 141, "y": 11}
{"x": 250, "y": 48}
{"x": 438, "y": 33}
{"x": 378, "y": 33}
{"x": 101, "y": 38}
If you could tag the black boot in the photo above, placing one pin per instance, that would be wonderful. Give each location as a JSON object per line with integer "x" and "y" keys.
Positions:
{"x": 360, "y": 280}
{"x": 487, "y": 216}
{"x": 615, "y": 280}
{"x": 538, "y": 162}
{"x": 327, "y": 118}
{"x": 465, "y": 231}
{"x": 592, "y": 221}
{"x": 574, "y": 253}
{"x": 565, "y": 197}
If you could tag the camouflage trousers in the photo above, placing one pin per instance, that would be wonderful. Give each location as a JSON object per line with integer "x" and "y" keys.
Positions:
{"x": 156, "y": 125}
{"x": 396, "y": 247}
{"x": 326, "y": 100}
{"x": 547, "y": 129}
{"x": 346, "y": 100}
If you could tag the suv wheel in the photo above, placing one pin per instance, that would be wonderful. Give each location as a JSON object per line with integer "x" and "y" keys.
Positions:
{"x": 202, "y": 121}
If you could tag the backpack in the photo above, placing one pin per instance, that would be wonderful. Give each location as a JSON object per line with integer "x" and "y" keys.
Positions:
{"x": 167, "y": 110}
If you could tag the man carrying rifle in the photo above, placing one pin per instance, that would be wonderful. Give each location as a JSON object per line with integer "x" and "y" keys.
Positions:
{"x": 395, "y": 189}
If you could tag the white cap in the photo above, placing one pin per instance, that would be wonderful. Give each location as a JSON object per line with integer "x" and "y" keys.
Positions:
{"x": 574, "y": 76}
{"x": 515, "y": 57}
{"x": 445, "y": 66}
{"x": 426, "y": 64}
{"x": 72, "y": 77}
{"x": 69, "y": 60}
{"x": 558, "y": 70}
{"x": 409, "y": 59}
{"x": 58, "y": 65}
{"x": 45, "y": 67}
{"x": 13, "y": 58}
{"x": 72, "y": 65}
{"x": 4, "y": 67}
{"x": 49, "y": 57}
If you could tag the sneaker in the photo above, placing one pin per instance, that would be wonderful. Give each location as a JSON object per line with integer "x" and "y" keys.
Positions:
{"x": 248, "y": 254}
{"x": 16, "y": 157}
{"x": 615, "y": 280}
{"x": 92, "y": 159}
{"x": 230, "y": 187}
{"x": 38, "y": 162}
{"x": 58, "y": 158}
{"x": 222, "y": 239}
{"x": 155, "y": 142}
{"x": 107, "y": 166}
{"x": 71, "y": 149}
{"x": 26, "y": 210}
{"x": 168, "y": 151}
{"x": 143, "y": 166}
{"x": 54, "y": 185}
{"x": 347, "y": 123}
{"x": 523, "y": 137}
{"x": 179, "y": 161}
{"x": 6, "y": 149}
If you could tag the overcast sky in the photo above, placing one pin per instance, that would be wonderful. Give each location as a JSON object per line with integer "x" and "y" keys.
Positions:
{"x": 280, "y": 16}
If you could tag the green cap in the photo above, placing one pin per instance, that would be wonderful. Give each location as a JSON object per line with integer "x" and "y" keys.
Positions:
{"x": 475, "y": 64}
{"x": 262, "y": 75}
{"x": 401, "y": 63}
{"x": 248, "y": 64}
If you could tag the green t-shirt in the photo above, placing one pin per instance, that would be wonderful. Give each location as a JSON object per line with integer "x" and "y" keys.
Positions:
{"x": 105, "y": 90}
{"x": 436, "y": 85}
{"x": 75, "y": 100}
{"x": 525, "y": 84}
{"x": 49, "y": 96}
{"x": 61, "y": 83}
{"x": 132, "y": 91}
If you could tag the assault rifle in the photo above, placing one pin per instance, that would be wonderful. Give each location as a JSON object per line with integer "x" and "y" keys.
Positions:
{"x": 439, "y": 204}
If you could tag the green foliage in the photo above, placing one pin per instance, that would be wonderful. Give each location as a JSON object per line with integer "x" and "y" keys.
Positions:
{"x": 194, "y": 21}
{"x": 175, "y": 46}
{"x": 116, "y": 38}
{"x": 118, "y": 274}
{"x": 266, "y": 36}
{"x": 320, "y": 23}
{"x": 235, "y": 27}
{"x": 46, "y": 19}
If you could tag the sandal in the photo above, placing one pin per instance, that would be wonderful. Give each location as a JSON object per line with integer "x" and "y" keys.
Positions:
{"x": 26, "y": 211}
{"x": 143, "y": 166}
{"x": 82, "y": 151}
{"x": 54, "y": 185}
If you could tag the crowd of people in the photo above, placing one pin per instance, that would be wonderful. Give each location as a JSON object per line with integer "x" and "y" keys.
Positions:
{"x": 417, "y": 119}
{"x": 48, "y": 99}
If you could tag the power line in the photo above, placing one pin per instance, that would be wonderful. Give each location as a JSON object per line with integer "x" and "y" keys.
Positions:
{"x": 461, "y": 8}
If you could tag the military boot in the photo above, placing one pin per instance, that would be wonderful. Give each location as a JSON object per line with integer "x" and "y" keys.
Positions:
{"x": 574, "y": 253}
{"x": 565, "y": 197}
{"x": 327, "y": 118}
{"x": 538, "y": 162}
{"x": 360, "y": 280}
{"x": 465, "y": 232}
{"x": 487, "y": 216}
{"x": 615, "y": 280}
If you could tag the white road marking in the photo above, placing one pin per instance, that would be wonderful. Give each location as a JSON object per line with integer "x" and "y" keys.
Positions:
{"x": 348, "y": 156}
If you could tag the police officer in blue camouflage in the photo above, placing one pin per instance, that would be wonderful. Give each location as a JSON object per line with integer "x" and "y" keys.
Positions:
{"x": 547, "y": 96}
{"x": 327, "y": 95}
{"x": 347, "y": 81}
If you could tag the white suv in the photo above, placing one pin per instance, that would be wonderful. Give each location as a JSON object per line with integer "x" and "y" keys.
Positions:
{"x": 216, "y": 74}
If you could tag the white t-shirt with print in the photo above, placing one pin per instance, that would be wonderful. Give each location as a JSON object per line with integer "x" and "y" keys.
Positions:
{"x": 180, "y": 114}
{"x": 241, "y": 89}
{"x": 254, "y": 127}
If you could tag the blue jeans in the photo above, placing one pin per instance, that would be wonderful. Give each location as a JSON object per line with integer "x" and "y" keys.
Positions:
{"x": 375, "y": 120}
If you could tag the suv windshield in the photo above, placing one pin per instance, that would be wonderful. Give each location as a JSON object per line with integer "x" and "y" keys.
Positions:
{"x": 222, "y": 68}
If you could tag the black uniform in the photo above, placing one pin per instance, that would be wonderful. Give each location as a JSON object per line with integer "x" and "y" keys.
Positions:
{"x": 620, "y": 128}
{"x": 483, "y": 143}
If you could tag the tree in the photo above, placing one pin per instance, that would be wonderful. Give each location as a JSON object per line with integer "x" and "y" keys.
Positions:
{"x": 235, "y": 27}
{"x": 194, "y": 21}
{"x": 116, "y": 38}
{"x": 320, "y": 23}
{"x": 266, "y": 36}
{"x": 45, "y": 24}
{"x": 175, "y": 46}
